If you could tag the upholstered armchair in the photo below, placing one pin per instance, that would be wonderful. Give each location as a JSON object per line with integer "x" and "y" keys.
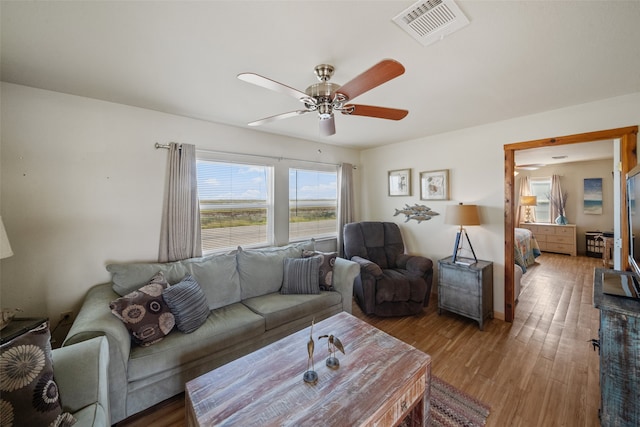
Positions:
{"x": 81, "y": 373}
{"x": 391, "y": 283}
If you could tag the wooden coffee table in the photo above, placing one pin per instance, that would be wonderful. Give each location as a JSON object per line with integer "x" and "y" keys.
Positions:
{"x": 381, "y": 381}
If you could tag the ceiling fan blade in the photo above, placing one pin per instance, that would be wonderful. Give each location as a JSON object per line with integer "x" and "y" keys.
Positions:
{"x": 327, "y": 126}
{"x": 372, "y": 111}
{"x": 257, "y": 79}
{"x": 382, "y": 72}
{"x": 278, "y": 117}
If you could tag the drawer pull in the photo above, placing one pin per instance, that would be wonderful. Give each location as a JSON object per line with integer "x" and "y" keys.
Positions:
{"x": 403, "y": 405}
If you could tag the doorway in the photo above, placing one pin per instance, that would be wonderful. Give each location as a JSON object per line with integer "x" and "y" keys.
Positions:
{"x": 628, "y": 159}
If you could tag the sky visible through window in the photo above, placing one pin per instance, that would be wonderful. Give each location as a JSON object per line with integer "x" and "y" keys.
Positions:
{"x": 312, "y": 185}
{"x": 229, "y": 181}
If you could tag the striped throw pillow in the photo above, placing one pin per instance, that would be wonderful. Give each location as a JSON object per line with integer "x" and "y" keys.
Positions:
{"x": 188, "y": 303}
{"x": 301, "y": 275}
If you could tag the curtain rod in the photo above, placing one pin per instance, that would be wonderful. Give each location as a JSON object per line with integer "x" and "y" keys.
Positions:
{"x": 158, "y": 145}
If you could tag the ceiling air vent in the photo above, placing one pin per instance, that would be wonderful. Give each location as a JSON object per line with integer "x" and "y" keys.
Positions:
{"x": 431, "y": 20}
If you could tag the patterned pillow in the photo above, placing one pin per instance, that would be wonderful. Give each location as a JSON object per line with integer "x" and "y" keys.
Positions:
{"x": 144, "y": 312}
{"x": 326, "y": 268}
{"x": 29, "y": 393}
{"x": 187, "y": 302}
{"x": 301, "y": 276}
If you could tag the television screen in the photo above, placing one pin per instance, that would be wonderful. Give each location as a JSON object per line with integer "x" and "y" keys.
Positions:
{"x": 633, "y": 217}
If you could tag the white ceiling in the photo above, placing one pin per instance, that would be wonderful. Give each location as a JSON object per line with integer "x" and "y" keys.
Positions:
{"x": 514, "y": 58}
{"x": 586, "y": 151}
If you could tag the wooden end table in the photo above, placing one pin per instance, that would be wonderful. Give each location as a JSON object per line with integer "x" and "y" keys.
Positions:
{"x": 380, "y": 382}
{"x": 19, "y": 326}
{"x": 466, "y": 289}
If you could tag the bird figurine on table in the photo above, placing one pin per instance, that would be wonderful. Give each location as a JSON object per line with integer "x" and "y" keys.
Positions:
{"x": 333, "y": 344}
{"x": 310, "y": 376}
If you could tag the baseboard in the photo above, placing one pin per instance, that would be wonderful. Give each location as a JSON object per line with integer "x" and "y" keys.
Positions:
{"x": 498, "y": 315}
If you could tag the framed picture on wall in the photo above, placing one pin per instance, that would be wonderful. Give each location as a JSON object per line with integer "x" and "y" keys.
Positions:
{"x": 434, "y": 185}
{"x": 400, "y": 182}
{"x": 593, "y": 196}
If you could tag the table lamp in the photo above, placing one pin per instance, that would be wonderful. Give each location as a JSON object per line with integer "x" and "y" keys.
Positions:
{"x": 5, "y": 247}
{"x": 462, "y": 215}
{"x": 5, "y": 252}
{"x": 528, "y": 201}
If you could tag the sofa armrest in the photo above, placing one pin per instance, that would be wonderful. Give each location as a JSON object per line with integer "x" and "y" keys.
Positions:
{"x": 415, "y": 264}
{"x": 367, "y": 266}
{"x": 95, "y": 319}
{"x": 80, "y": 371}
{"x": 344, "y": 273}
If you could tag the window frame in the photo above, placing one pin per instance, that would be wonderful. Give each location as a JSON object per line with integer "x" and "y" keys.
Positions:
{"x": 254, "y": 161}
{"x": 319, "y": 168}
{"x": 542, "y": 199}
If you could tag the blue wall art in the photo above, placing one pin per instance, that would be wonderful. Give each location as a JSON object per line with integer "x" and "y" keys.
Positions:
{"x": 593, "y": 196}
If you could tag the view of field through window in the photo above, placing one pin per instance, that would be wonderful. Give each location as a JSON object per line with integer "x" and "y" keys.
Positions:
{"x": 236, "y": 204}
{"x": 313, "y": 197}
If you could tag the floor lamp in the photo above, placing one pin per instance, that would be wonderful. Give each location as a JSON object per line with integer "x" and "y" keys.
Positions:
{"x": 462, "y": 215}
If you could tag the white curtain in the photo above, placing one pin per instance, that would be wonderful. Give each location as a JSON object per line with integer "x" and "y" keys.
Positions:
{"x": 556, "y": 195}
{"x": 525, "y": 190}
{"x": 180, "y": 234}
{"x": 345, "y": 201}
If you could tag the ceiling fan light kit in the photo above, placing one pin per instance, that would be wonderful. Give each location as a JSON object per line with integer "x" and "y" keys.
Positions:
{"x": 326, "y": 97}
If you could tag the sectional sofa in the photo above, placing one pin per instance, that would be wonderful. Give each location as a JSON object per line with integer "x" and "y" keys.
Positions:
{"x": 247, "y": 312}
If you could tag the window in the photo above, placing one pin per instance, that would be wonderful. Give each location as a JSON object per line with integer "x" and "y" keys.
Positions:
{"x": 541, "y": 188}
{"x": 313, "y": 200}
{"x": 236, "y": 205}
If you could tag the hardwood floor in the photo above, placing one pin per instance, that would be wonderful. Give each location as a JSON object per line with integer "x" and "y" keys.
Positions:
{"x": 537, "y": 371}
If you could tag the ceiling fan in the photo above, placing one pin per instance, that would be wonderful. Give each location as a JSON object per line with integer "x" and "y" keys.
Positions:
{"x": 326, "y": 97}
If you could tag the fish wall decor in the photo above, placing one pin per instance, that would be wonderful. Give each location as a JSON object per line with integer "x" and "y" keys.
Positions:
{"x": 418, "y": 212}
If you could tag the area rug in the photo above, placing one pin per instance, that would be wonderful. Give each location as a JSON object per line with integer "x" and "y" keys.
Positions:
{"x": 451, "y": 407}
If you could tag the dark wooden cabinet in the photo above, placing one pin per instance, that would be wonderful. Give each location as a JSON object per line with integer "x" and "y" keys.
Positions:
{"x": 619, "y": 355}
{"x": 19, "y": 326}
{"x": 466, "y": 289}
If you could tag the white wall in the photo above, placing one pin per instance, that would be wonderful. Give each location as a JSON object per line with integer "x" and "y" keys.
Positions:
{"x": 82, "y": 186}
{"x": 572, "y": 177}
{"x": 475, "y": 159}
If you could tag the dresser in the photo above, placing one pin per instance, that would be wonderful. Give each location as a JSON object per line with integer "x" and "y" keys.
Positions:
{"x": 554, "y": 238}
{"x": 619, "y": 339}
{"x": 466, "y": 289}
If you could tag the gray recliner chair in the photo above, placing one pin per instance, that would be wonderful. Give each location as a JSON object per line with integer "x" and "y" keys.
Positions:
{"x": 391, "y": 283}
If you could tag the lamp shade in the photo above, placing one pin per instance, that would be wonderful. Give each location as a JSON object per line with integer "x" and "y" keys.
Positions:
{"x": 5, "y": 247}
{"x": 462, "y": 215}
{"x": 529, "y": 200}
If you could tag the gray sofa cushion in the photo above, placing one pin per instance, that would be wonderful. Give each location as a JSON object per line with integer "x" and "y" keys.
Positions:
{"x": 261, "y": 270}
{"x": 188, "y": 304}
{"x": 224, "y": 328}
{"x": 129, "y": 277}
{"x": 218, "y": 277}
{"x": 301, "y": 276}
{"x": 278, "y": 309}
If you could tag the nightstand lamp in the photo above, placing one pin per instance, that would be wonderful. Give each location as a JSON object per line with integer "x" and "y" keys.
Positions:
{"x": 528, "y": 201}
{"x": 462, "y": 215}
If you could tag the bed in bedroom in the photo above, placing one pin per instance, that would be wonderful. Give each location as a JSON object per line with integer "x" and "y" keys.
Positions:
{"x": 526, "y": 248}
{"x": 526, "y": 252}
